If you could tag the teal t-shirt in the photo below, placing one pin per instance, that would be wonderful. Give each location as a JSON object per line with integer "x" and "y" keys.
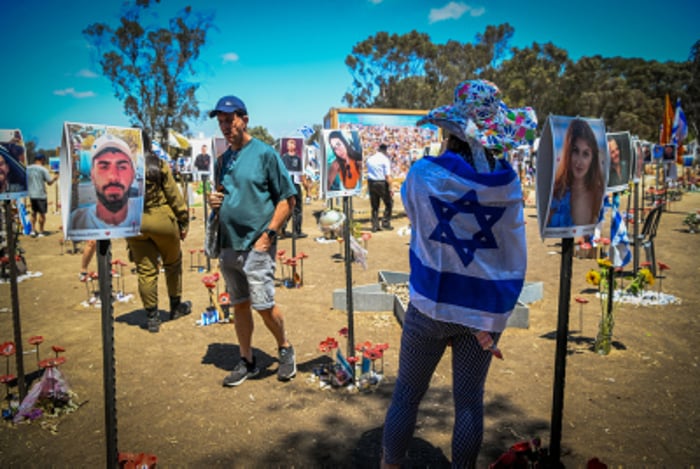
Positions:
{"x": 254, "y": 181}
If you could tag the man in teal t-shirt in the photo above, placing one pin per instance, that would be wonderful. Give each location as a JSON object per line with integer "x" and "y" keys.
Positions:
{"x": 253, "y": 197}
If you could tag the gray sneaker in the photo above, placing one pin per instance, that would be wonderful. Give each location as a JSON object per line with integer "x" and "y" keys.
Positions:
{"x": 288, "y": 365}
{"x": 243, "y": 371}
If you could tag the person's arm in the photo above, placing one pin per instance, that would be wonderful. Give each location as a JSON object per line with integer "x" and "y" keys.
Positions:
{"x": 282, "y": 211}
{"x": 175, "y": 199}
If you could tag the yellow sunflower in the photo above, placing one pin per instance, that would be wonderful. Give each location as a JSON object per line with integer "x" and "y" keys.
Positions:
{"x": 593, "y": 277}
{"x": 648, "y": 276}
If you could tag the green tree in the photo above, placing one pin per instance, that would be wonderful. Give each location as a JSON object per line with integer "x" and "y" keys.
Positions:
{"x": 261, "y": 133}
{"x": 152, "y": 68}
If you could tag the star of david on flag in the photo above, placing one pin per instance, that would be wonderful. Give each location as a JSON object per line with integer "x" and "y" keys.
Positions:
{"x": 468, "y": 252}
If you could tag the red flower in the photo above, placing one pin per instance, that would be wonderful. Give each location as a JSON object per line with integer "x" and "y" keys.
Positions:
{"x": 209, "y": 281}
{"x": 363, "y": 346}
{"x": 302, "y": 255}
{"x": 58, "y": 349}
{"x": 224, "y": 298}
{"x": 581, "y": 300}
{"x": 663, "y": 266}
{"x": 36, "y": 340}
{"x": 382, "y": 347}
{"x": 343, "y": 332}
{"x": 4, "y": 379}
{"x": 372, "y": 354}
{"x": 52, "y": 362}
{"x": 7, "y": 349}
{"x": 353, "y": 359}
{"x": 281, "y": 253}
{"x": 323, "y": 347}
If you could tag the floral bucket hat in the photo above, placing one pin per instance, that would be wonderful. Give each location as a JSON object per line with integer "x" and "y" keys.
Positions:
{"x": 478, "y": 115}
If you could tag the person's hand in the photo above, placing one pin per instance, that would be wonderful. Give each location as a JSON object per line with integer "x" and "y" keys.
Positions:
{"x": 216, "y": 199}
{"x": 263, "y": 243}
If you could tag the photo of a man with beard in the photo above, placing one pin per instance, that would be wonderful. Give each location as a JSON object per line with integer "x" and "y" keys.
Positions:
{"x": 112, "y": 174}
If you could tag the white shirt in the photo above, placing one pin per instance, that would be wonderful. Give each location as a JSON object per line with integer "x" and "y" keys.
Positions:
{"x": 378, "y": 167}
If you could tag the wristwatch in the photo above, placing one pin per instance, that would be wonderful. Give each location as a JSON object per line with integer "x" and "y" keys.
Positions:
{"x": 272, "y": 234}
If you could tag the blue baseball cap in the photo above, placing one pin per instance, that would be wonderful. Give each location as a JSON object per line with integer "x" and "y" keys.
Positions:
{"x": 229, "y": 104}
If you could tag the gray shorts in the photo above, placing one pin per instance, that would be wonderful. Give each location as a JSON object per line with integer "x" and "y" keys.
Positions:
{"x": 249, "y": 276}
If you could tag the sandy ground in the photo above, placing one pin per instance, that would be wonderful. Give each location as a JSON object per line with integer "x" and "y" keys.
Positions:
{"x": 636, "y": 407}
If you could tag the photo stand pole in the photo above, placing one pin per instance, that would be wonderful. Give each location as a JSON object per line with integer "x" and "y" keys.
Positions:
{"x": 567, "y": 255}
{"x": 14, "y": 293}
{"x": 635, "y": 247}
{"x": 348, "y": 278}
{"x": 204, "y": 178}
{"x": 104, "y": 271}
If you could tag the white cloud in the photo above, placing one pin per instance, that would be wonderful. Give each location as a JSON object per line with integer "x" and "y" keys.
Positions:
{"x": 230, "y": 57}
{"x": 477, "y": 11}
{"x": 75, "y": 94}
{"x": 453, "y": 11}
{"x": 85, "y": 73}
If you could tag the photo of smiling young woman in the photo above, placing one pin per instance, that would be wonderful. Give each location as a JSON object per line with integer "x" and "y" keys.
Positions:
{"x": 578, "y": 176}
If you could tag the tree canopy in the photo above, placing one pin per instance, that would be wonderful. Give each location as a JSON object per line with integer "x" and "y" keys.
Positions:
{"x": 152, "y": 68}
{"x": 409, "y": 71}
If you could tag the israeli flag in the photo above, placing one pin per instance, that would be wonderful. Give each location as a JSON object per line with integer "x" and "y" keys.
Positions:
{"x": 679, "y": 131}
{"x": 468, "y": 251}
{"x": 619, "y": 241}
{"x": 306, "y": 130}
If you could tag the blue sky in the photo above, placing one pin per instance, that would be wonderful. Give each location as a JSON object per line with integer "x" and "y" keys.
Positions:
{"x": 285, "y": 59}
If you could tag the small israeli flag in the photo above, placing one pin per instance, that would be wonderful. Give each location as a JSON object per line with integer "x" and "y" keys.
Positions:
{"x": 619, "y": 241}
{"x": 468, "y": 252}
{"x": 306, "y": 130}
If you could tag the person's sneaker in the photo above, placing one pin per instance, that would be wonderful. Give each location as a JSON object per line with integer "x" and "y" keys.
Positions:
{"x": 387, "y": 227}
{"x": 83, "y": 276}
{"x": 288, "y": 364}
{"x": 40, "y": 235}
{"x": 33, "y": 234}
{"x": 243, "y": 371}
{"x": 301, "y": 235}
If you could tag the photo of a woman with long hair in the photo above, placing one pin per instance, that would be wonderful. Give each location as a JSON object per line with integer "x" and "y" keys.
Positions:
{"x": 345, "y": 171}
{"x": 579, "y": 181}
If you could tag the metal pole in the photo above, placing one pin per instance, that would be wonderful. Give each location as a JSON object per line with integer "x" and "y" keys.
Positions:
{"x": 204, "y": 179}
{"x": 14, "y": 293}
{"x": 567, "y": 253}
{"x": 635, "y": 249}
{"x": 104, "y": 271}
{"x": 348, "y": 277}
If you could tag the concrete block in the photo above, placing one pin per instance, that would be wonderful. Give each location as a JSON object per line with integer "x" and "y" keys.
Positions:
{"x": 520, "y": 317}
{"x": 532, "y": 291}
{"x": 364, "y": 298}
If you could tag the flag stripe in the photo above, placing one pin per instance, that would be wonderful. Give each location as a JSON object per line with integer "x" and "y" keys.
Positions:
{"x": 464, "y": 290}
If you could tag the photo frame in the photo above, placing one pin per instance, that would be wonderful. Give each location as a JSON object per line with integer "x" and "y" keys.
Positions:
{"x": 571, "y": 149}
{"x": 620, "y": 154}
{"x": 292, "y": 154}
{"x": 102, "y": 181}
{"x": 342, "y": 161}
{"x": 13, "y": 165}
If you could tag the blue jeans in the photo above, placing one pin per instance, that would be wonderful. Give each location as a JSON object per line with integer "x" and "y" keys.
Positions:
{"x": 423, "y": 342}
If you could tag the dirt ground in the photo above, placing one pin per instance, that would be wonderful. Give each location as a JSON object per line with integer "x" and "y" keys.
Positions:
{"x": 636, "y": 407}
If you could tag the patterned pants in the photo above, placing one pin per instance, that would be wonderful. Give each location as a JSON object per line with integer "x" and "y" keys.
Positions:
{"x": 423, "y": 343}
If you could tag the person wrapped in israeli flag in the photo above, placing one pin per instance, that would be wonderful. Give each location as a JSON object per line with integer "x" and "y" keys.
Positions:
{"x": 468, "y": 257}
